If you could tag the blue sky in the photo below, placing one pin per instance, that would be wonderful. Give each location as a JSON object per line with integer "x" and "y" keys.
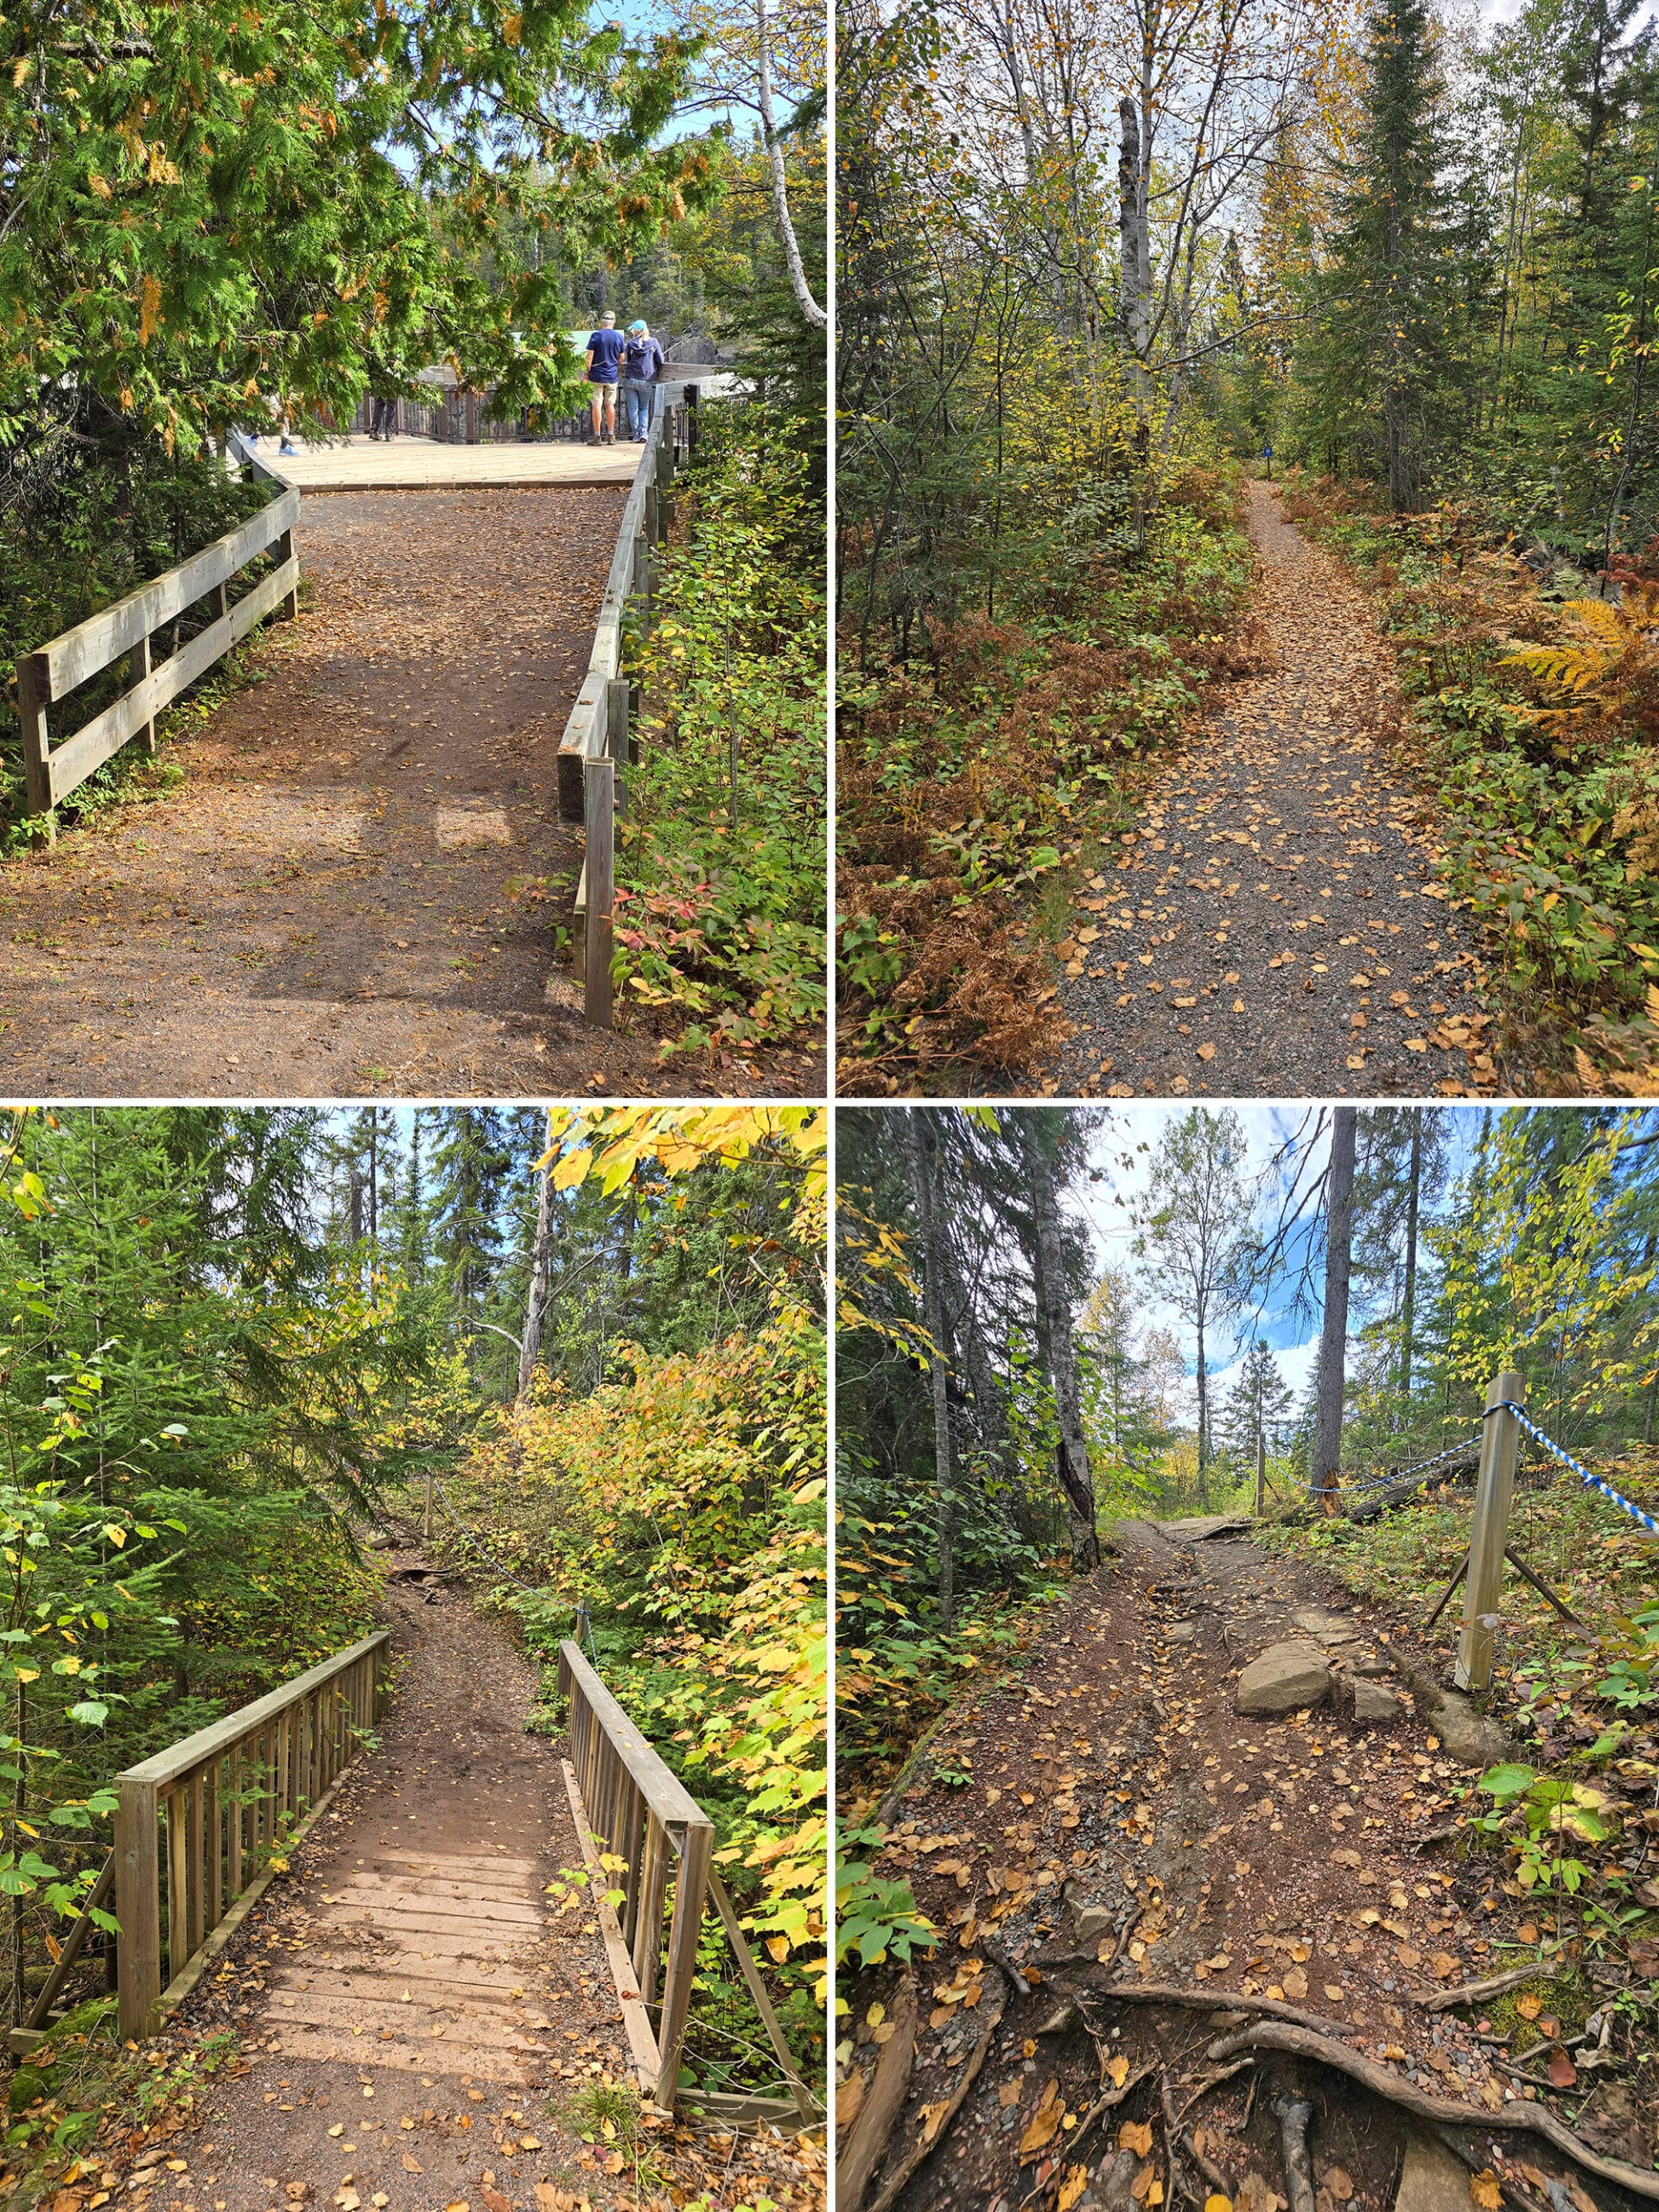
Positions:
{"x": 1105, "y": 1207}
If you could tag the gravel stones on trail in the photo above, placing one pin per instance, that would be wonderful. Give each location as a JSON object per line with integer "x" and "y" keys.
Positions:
{"x": 1284, "y": 1679}
{"x": 1273, "y": 926}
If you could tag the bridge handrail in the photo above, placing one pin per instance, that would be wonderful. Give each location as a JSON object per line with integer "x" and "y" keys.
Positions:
{"x": 225, "y": 1797}
{"x": 595, "y": 739}
{"x": 46, "y": 675}
{"x": 647, "y": 1818}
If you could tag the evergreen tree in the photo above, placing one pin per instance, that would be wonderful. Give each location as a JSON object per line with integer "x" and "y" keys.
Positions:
{"x": 470, "y": 1165}
{"x": 1390, "y": 361}
{"x": 1259, "y": 1411}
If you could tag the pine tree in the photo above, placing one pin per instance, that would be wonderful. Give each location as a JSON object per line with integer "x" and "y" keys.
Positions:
{"x": 1259, "y": 1409}
{"x": 469, "y": 1170}
{"x": 1389, "y": 358}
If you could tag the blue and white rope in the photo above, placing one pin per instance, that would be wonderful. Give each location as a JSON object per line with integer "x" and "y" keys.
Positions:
{"x": 1648, "y": 1520}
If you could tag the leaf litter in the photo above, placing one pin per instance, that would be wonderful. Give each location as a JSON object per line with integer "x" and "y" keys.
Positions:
{"x": 1272, "y": 926}
{"x": 1123, "y": 1824}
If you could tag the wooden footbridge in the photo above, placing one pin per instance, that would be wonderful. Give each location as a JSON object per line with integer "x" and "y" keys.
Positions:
{"x": 411, "y": 1963}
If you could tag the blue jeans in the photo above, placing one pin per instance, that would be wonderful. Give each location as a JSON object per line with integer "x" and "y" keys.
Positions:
{"x": 640, "y": 396}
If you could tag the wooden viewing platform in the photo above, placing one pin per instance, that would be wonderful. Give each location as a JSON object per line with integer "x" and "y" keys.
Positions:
{"x": 408, "y": 463}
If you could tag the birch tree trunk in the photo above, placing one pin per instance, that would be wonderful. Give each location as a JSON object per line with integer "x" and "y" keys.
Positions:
{"x": 1135, "y": 258}
{"x": 1334, "y": 1334}
{"x": 922, "y": 1187}
{"x": 1077, "y": 1481}
{"x": 541, "y": 1259}
{"x": 809, "y": 309}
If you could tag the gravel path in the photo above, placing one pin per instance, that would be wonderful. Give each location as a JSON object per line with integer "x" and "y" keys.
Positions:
{"x": 1272, "y": 927}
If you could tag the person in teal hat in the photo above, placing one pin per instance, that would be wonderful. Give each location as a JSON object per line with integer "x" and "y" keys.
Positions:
{"x": 642, "y": 367}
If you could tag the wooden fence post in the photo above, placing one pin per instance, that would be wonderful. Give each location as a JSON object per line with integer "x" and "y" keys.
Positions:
{"x": 599, "y": 791}
{"x": 697, "y": 1852}
{"x": 426, "y": 1528}
{"x": 1261, "y": 1472}
{"x": 137, "y": 1907}
{"x": 32, "y": 693}
{"x": 1500, "y": 1444}
{"x": 284, "y": 553}
{"x": 618, "y": 695}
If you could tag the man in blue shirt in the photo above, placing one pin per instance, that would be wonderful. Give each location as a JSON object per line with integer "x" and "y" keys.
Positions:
{"x": 605, "y": 351}
{"x": 642, "y": 364}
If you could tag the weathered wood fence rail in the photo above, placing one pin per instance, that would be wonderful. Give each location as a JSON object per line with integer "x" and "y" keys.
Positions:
{"x": 196, "y": 1828}
{"x": 47, "y": 676}
{"x": 627, "y": 1805}
{"x": 596, "y": 743}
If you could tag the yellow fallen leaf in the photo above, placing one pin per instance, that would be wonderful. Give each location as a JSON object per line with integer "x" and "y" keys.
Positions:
{"x": 1076, "y": 2179}
{"x": 1118, "y": 2068}
{"x": 1136, "y": 2135}
{"x": 874, "y": 2016}
{"x": 1484, "y": 2191}
{"x": 1217, "y": 2203}
{"x": 1528, "y": 2006}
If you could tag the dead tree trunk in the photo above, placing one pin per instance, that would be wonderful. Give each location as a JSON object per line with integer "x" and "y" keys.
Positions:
{"x": 1077, "y": 1481}
{"x": 541, "y": 1261}
{"x": 920, "y": 1140}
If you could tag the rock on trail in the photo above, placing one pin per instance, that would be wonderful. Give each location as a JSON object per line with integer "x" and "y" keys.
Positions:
{"x": 1112, "y": 1811}
{"x": 1273, "y": 925}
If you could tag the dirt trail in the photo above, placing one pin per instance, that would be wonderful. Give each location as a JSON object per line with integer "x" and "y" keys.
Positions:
{"x": 1272, "y": 927}
{"x": 1110, "y": 1803}
{"x": 408, "y": 1996}
{"x": 416, "y": 2016}
{"x": 354, "y": 888}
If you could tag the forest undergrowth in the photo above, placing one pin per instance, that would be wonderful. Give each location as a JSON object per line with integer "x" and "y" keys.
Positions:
{"x": 986, "y": 755}
{"x": 1532, "y": 702}
{"x": 720, "y": 902}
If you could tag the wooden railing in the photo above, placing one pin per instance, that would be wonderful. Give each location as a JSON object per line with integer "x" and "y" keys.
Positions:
{"x": 47, "y": 676}
{"x": 596, "y": 736}
{"x": 629, "y": 1806}
{"x": 196, "y": 1827}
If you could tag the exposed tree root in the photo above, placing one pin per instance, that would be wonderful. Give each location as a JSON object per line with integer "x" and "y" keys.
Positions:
{"x": 1471, "y": 1993}
{"x": 925, "y": 2149}
{"x": 1194, "y": 2000}
{"x": 1528, "y": 2119}
{"x": 867, "y": 2145}
{"x": 1293, "y": 2113}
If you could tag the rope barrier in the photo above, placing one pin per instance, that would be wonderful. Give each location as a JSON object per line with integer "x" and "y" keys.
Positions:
{"x": 468, "y": 1539}
{"x": 1648, "y": 1520}
{"x": 1417, "y": 1467}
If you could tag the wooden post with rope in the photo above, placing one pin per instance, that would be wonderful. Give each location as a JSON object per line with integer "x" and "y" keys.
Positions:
{"x": 1500, "y": 1445}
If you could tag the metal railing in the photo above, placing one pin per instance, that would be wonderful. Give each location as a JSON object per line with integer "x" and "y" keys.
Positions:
{"x": 631, "y": 1807}
{"x": 596, "y": 740}
{"x": 47, "y": 676}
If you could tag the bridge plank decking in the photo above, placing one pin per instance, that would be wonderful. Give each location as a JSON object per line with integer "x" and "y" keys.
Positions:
{"x": 411, "y": 1984}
